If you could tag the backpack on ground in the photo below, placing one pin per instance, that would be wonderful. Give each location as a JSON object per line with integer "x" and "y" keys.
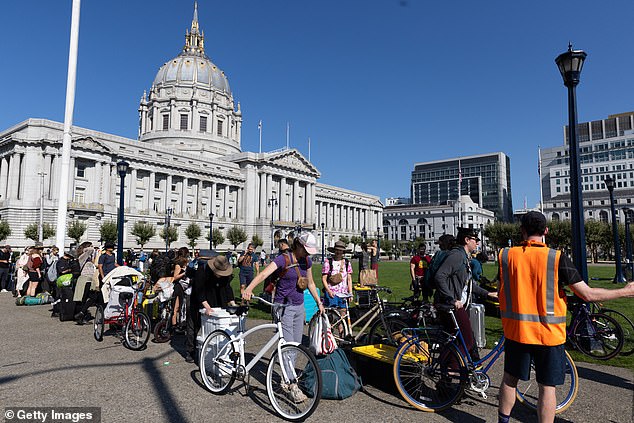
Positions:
{"x": 338, "y": 378}
{"x": 429, "y": 284}
{"x": 66, "y": 304}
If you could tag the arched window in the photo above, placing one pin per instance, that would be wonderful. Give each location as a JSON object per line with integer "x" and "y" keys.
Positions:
{"x": 555, "y": 217}
{"x": 603, "y": 216}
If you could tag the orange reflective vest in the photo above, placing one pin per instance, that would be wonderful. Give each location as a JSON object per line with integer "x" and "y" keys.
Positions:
{"x": 532, "y": 308}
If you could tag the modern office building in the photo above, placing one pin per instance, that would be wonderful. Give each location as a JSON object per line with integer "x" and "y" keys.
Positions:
{"x": 406, "y": 222}
{"x": 486, "y": 178}
{"x": 187, "y": 159}
{"x": 606, "y": 148}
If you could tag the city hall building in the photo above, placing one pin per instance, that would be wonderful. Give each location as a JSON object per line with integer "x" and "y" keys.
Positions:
{"x": 187, "y": 159}
{"x": 606, "y": 148}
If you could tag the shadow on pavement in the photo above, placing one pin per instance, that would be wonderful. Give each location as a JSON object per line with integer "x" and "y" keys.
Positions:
{"x": 163, "y": 392}
{"x": 605, "y": 378}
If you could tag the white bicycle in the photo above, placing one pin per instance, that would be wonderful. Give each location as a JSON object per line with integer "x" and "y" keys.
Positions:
{"x": 293, "y": 378}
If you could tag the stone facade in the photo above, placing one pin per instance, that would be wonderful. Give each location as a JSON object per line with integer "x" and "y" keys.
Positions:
{"x": 187, "y": 158}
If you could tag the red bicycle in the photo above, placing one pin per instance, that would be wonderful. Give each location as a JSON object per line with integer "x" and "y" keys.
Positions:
{"x": 123, "y": 313}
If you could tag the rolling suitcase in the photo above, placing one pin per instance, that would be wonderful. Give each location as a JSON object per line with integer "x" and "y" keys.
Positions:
{"x": 66, "y": 304}
{"x": 476, "y": 317}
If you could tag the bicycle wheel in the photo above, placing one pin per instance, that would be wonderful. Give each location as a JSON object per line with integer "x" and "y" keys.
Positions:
{"x": 430, "y": 376}
{"x": 98, "y": 324}
{"x": 527, "y": 392}
{"x": 627, "y": 326}
{"x": 217, "y": 364}
{"x": 386, "y": 331}
{"x": 598, "y": 336}
{"x": 162, "y": 332}
{"x": 137, "y": 331}
{"x": 293, "y": 382}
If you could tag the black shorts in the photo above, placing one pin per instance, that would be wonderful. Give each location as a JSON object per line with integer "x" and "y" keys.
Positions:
{"x": 550, "y": 362}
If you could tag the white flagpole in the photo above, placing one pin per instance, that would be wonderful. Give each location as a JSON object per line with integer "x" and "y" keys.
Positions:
{"x": 288, "y": 135}
{"x": 62, "y": 204}
{"x": 459, "y": 192}
{"x": 539, "y": 172}
{"x": 260, "y": 129}
{"x": 308, "y": 148}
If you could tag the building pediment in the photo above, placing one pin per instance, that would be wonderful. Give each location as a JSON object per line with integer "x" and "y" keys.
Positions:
{"x": 293, "y": 160}
{"x": 89, "y": 143}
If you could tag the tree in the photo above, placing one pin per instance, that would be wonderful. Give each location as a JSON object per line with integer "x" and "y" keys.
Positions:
{"x": 386, "y": 245}
{"x": 559, "y": 234}
{"x": 32, "y": 231}
{"x": 344, "y": 239}
{"x": 76, "y": 230}
{"x": 256, "y": 241}
{"x": 143, "y": 232}
{"x": 499, "y": 234}
{"x": 192, "y": 232}
{"x": 216, "y": 237}
{"x": 170, "y": 235}
{"x": 355, "y": 240}
{"x": 596, "y": 234}
{"x": 108, "y": 231}
{"x": 236, "y": 236}
{"x": 5, "y": 230}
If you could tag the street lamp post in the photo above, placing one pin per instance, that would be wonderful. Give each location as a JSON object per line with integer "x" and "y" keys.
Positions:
{"x": 323, "y": 246}
{"x": 122, "y": 170}
{"x": 628, "y": 242}
{"x": 570, "y": 64}
{"x": 378, "y": 242}
{"x": 364, "y": 234}
{"x": 168, "y": 216}
{"x": 211, "y": 231}
{"x": 484, "y": 246}
{"x": 618, "y": 277}
{"x": 272, "y": 203}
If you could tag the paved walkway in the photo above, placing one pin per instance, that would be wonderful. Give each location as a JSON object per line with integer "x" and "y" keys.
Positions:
{"x": 45, "y": 362}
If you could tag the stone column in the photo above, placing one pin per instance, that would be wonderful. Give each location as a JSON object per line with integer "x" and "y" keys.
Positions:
{"x": 107, "y": 183}
{"x": 212, "y": 199}
{"x": 184, "y": 188}
{"x": 239, "y": 194}
{"x": 226, "y": 201}
{"x": 150, "y": 191}
{"x": 4, "y": 173}
{"x": 10, "y": 177}
{"x": 130, "y": 195}
{"x": 168, "y": 192}
{"x": 199, "y": 198}
{"x": 96, "y": 195}
{"x": 209, "y": 208}
{"x": 262, "y": 179}
{"x": 283, "y": 200}
{"x": 296, "y": 205}
{"x": 47, "y": 177}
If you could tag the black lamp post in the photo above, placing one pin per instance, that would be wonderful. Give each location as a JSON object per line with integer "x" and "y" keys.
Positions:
{"x": 484, "y": 246}
{"x": 323, "y": 246}
{"x": 364, "y": 234}
{"x": 211, "y": 231}
{"x": 272, "y": 203}
{"x": 618, "y": 277}
{"x": 122, "y": 170}
{"x": 378, "y": 242}
{"x": 570, "y": 64}
{"x": 628, "y": 242}
{"x": 168, "y": 216}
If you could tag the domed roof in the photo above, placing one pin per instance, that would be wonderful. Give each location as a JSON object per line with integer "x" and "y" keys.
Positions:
{"x": 192, "y": 69}
{"x": 192, "y": 66}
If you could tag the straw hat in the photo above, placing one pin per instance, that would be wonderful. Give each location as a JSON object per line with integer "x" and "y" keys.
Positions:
{"x": 220, "y": 266}
{"x": 339, "y": 246}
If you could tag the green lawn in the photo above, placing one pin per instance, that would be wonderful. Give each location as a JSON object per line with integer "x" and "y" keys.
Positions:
{"x": 395, "y": 274}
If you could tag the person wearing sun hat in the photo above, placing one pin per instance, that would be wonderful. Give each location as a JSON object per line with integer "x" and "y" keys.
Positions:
{"x": 336, "y": 276}
{"x": 211, "y": 287}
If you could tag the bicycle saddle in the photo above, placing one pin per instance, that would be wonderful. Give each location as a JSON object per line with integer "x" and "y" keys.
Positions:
{"x": 237, "y": 310}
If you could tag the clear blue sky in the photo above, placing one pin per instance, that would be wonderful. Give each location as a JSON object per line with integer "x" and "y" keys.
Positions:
{"x": 378, "y": 85}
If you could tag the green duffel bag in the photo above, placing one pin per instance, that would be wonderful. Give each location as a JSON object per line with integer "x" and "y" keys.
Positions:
{"x": 33, "y": 301}
{"x": 64, "y": 280}
{"x": 20, "y": 300}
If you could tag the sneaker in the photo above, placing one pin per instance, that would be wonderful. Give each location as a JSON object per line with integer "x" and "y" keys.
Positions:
{"x": 4, "y": 290}
{"x": 79, "y": 316}
{"x": 296, "y": 394}
{"x": 189, "y": 358}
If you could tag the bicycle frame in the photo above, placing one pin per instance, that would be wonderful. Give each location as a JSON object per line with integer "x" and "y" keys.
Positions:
{"x": 368, "y": 317}
{"x": 239, "y": 341}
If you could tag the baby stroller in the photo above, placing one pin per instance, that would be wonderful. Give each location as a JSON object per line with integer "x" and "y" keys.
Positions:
{"x": 123, "y": 287}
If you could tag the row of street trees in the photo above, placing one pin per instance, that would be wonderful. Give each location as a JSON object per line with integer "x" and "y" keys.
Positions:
{"x": 599, "y": 241}
{"x": 142, "y": 231}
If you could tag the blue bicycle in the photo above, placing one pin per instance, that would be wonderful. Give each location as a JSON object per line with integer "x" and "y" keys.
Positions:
{"x": 433, "y": 368}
